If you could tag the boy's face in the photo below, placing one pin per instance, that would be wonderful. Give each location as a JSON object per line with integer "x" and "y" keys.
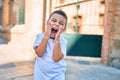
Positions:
{"x": 56, "y": 22}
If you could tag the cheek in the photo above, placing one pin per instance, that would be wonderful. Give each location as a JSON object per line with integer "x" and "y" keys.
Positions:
{"x": 50, "y": 23}
{"x": 62, "y": 28}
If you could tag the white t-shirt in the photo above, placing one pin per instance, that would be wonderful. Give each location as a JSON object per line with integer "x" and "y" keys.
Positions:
{"x": 45, "y": 67}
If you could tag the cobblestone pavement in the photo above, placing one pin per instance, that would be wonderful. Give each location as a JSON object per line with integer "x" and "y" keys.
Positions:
{"x": 76, "y": 70}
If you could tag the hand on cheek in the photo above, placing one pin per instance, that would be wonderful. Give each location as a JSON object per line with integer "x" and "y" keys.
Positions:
{"x": 48, "y": 31}
{"x": 58, "y": 34}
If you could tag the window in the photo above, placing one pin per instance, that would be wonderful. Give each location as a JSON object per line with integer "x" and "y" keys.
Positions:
{"x": 12, "y": 12}
{"x": 16, "y": 11}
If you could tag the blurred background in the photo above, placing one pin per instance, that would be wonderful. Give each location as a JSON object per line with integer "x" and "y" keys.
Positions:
{"x": 21, "y": 20}
{"x": 93, "y": 29}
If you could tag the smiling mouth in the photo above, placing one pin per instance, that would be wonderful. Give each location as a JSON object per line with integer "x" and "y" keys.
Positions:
{"x": 54, "y": 31}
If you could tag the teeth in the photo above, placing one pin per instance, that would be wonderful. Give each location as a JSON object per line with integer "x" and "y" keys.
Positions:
{"x": 54, "y": 29}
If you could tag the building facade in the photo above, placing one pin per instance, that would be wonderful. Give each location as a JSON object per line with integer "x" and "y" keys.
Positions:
{"x": 21, "y": 20}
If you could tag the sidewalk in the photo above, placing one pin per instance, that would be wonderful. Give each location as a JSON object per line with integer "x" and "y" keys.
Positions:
{"x": 17, "y": 71}
{"x": 76, "y": 70}
{"x": 84, "y": 70}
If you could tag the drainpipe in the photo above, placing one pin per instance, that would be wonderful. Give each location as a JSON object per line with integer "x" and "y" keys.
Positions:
{"x": 50, "y": 8}
{"x": 77, "y": 24}
{"x": 44, "y": 15}
{"x": 5, "y": 13}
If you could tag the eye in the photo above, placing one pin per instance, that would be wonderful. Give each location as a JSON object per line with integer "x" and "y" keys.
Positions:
{"x": 53, "y": 20}
{"x": 61, "y": 23}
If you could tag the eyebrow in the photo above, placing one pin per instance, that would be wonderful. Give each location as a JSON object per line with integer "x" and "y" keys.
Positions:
{"x": 60, "y": 21}
{"x": 52, "y": 18}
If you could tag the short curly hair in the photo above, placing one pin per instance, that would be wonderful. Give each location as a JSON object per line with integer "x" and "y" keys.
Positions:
{"x": 59, "y": 12}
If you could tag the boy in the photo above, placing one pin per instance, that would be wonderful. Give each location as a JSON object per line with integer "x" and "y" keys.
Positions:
{"x": 50, "y": 48}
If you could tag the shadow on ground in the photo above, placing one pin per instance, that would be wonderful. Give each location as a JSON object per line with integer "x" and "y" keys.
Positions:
{"x": 76, "y": 70}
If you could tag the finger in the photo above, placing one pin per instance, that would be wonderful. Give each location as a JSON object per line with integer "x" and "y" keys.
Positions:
{"x": 60, "y": 29}
{"x": 48, "y": 28}
{"x": 48, "y": 24}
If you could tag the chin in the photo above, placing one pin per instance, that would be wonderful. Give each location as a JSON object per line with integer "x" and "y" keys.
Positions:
{"x": 52, "y": 37}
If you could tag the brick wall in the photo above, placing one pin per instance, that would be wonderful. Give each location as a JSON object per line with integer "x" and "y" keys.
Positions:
{"x": 111, "y": 38}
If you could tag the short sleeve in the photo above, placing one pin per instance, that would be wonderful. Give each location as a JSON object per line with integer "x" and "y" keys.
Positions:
{"x": 63, "y": 46}
{"x": 38, "y": 40}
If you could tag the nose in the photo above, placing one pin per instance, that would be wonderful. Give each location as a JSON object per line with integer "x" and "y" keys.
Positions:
{"x": 56, "y": 24}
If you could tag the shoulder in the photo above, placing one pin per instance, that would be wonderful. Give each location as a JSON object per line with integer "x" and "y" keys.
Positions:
{"x": 40, "y": 35}
{"x": 63, "y": 40}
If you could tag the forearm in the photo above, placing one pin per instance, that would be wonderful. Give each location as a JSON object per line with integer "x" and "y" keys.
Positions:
{"x": 57, "y": 53}
{"x": 40, "y": 50}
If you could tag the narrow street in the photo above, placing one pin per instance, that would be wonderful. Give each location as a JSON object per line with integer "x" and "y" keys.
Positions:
{"x": 91, "y": 28}
{"x": 76, "y": 70}
{"x": 17, "y": 71}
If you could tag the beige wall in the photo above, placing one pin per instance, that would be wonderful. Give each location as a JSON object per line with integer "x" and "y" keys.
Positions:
{"x": 89, "y": 11}
{"x": 22, "y": 36}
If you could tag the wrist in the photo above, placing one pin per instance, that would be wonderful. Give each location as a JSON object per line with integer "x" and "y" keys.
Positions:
{"x": 46, "y": 37}
{"x": 57, "y": 40}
